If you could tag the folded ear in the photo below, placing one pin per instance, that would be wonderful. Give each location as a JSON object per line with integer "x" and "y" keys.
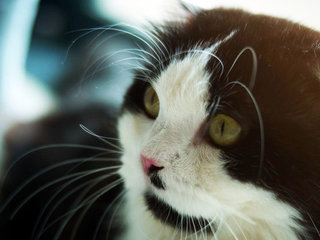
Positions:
{"x": 189, "y": 10}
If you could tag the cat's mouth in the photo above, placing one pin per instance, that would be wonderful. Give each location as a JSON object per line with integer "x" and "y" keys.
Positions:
{"x": 168, "y": 215}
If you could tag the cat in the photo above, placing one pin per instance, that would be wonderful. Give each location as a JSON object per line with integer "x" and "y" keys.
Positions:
{"x": 220, "y": 132}
{"x": 218, "y": 137}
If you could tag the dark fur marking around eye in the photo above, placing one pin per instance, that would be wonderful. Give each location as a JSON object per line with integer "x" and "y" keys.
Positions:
{"x": 133, "y": 100}
{"x": 169, "y": 215}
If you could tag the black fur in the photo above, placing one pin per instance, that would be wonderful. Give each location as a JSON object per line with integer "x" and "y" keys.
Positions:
{"x": 154, "y": 177}
{"x": 169, "y": 215}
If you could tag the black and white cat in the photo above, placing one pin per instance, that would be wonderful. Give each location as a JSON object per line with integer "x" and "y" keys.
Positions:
{"x": 219, "y": 132}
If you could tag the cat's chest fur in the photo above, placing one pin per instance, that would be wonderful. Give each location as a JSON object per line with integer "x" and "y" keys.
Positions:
{"x": 261, "y": 72}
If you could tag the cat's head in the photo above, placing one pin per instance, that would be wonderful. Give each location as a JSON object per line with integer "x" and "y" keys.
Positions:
{"x": 220, "y": 128}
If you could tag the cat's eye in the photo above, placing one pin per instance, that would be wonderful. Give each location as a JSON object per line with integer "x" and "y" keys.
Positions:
{"x": 151, "y": 102}
{"x": 224, "y": 130}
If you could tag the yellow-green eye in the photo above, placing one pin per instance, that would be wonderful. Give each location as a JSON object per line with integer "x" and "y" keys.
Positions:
{"x": 224, "y": 130}
{"x": 151, "y": 102}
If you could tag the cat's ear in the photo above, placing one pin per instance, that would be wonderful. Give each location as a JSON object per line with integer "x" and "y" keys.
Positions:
{"x": 175, "y": 11}
{"x": 189, "y": 10}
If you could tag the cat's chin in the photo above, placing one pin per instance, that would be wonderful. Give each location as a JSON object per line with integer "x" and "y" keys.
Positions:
{"x": 168, "y": 215}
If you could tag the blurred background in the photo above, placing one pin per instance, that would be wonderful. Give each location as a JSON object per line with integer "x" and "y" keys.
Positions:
{"x": 59, "y": 54}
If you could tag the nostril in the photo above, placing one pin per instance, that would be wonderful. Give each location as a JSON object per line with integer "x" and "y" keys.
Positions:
{"x": 149, "y": 165}
{"x": 153, "y": 169}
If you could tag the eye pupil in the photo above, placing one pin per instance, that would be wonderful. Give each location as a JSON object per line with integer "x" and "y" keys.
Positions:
{"x": 222, "y": 127}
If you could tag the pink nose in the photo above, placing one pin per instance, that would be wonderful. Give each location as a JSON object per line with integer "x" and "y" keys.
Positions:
{"x": 148, "y": 163}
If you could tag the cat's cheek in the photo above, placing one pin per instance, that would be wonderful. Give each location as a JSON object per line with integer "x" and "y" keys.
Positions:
{"x": 132, "y": 129}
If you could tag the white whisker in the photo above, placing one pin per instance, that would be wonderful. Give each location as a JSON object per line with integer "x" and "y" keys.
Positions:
{"x": 85, "y": 202}
{"x": 99, "y": 137}
{"x": 79, "y": 199}
{"x": 114, "y": 28}
{"x": 240, "y": 228}
{"x": 181, "y": 227}
{"x": 254, "y": 65}
{"x": 201, "y": 230}
{"x": 139, "y": 58}
{"x": 113, "y": 214}
{"x": 262, "y": 139}
{"x": 48, "y": 169}
{"x": 82, "y": 174}
{"x": 95, "y": 235}
{"x": 61, "y": 200}
{"x": 194, "y": 229}
{"x": 231, "y": 231}
{"x": 87, "y": 32}
{"x": 60, "y": 145}
{"x": 313, "y": 223}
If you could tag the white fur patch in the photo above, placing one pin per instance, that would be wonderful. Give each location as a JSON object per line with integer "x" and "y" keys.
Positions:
{"x": 196, "y": 183}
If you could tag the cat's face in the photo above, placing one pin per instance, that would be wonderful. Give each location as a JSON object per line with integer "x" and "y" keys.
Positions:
{"x": 182, "y": 170}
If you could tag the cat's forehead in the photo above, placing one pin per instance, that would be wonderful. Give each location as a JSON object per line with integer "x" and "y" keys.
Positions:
{"x": 183, "y": 86}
